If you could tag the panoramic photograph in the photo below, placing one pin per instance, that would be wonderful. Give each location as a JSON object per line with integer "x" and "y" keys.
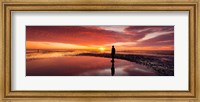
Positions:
{"x": 100, "y": 50}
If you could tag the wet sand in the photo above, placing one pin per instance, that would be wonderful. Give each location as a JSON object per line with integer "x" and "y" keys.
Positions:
{"x": 84, "y": 66}
{"x": 163, "y": 65}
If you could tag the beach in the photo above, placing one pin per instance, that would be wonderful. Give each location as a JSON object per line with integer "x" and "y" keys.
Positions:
{"x": 162, "y": 64}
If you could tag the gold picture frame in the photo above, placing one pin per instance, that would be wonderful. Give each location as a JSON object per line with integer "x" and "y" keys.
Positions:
{"x": 192, "y": 6}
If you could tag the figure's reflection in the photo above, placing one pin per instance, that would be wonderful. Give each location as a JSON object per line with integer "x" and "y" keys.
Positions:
{"x": 113, "y": 68}
{"x": 113, "y": 61}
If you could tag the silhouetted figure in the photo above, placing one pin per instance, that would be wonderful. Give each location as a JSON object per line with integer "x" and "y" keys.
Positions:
{"x": 113, "y": 61}
{"x": 113, "y": 52}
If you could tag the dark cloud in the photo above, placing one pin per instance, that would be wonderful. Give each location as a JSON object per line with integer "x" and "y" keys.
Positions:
{"x": 141, "y": 31}
{"x": 149, "y": 29}
{"x": 162, "y": 40}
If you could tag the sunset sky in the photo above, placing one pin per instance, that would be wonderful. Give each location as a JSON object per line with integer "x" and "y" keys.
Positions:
{"x": 100, "y": 37}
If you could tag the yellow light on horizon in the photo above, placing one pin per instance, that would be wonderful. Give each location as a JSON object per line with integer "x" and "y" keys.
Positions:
{"x": 102, "y": 49}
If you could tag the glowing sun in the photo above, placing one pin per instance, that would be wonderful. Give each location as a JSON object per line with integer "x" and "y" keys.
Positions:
{"x": 102, "y": 49}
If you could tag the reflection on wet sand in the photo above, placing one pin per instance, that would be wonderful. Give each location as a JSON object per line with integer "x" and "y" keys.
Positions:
{"x": 113, "y": 67}
{"x": 84, "y": 66}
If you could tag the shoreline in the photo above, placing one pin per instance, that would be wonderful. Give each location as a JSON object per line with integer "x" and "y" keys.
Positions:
{"x": 163, "y": 65}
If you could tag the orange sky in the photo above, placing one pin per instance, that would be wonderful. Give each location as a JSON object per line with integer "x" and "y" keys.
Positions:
{"x": 100, "y": 37}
